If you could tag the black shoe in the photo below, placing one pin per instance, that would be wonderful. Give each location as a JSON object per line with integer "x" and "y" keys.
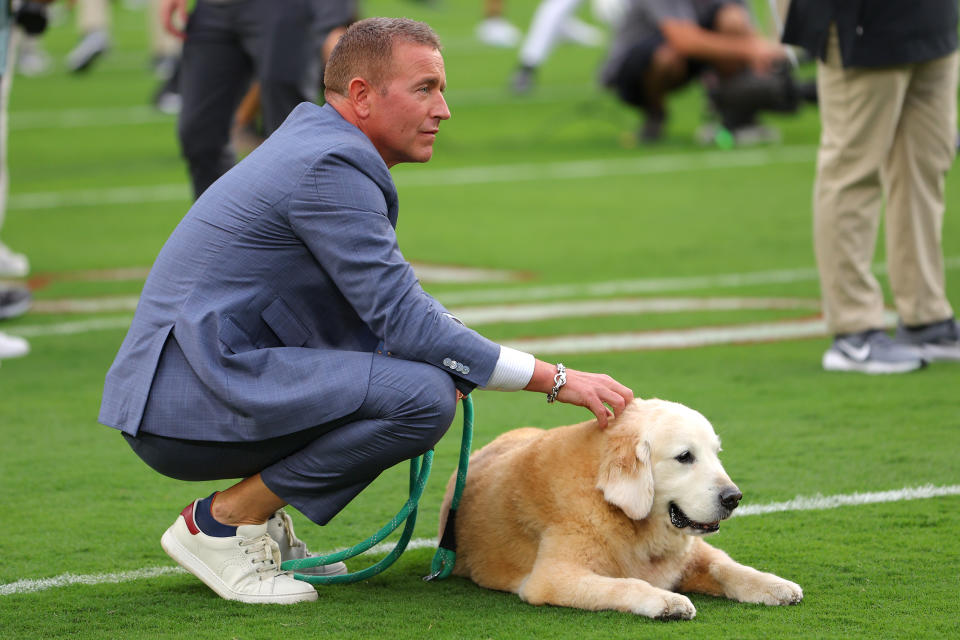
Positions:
{"x": 651, "y": 131}
{"x": 523, "y": 80}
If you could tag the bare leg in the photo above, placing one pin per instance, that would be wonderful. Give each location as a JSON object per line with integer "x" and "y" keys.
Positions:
{"x": 247, "y": 502}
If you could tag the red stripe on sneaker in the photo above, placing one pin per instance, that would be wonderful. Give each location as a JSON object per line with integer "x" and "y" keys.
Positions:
{"x": 188, "y": 517}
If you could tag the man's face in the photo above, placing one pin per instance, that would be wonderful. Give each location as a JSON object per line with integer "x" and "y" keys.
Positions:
{"x": 405, "y": 119}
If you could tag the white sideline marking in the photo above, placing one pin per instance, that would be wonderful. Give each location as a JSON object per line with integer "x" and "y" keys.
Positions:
{"x": 71, "y": 328}
{"x": 680, "y": 338}
{"x": 821, "y": 502}
{"x": 800, "y": 503}
{"x": 467, "y": 175}
{"x": 623, "y": 306}
{"x": 70, "y": 579}
{"x": 648, "y": 285}
{"x": 74, "y": 118}
{"x": 499, "y": 313}
{"x": 100, "y": 197}
{"x": 79, "y": 117}
{"x": 598, "y": 168}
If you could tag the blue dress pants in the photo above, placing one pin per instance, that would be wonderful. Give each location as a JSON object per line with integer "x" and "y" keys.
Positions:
{"x": 408, "y": 408}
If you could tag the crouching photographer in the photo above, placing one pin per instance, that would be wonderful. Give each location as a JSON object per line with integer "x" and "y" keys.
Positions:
{"x": 661, "y": 45}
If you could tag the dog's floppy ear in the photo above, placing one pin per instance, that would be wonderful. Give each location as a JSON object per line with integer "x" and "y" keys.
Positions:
{"x": 625, "y": 476}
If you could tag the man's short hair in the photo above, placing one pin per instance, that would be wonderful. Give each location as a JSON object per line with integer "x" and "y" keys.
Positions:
{"x": 366, "y": 50}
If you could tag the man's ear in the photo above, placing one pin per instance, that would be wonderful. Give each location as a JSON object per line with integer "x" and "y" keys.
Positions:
{"x": 358, "y": 91}
{"x": 625, "y": 475}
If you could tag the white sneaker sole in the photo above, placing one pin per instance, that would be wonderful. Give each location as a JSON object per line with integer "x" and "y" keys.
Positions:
{"x": 186, "y": 559}
{"x": 833, "y": 361}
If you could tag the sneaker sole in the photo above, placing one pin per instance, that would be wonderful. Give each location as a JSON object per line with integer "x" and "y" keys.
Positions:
{"x": 938, "y": 353}
{"x": 833, "y": 361}
{"x": 186, "y": 559}
{"x": 335, "y": 569}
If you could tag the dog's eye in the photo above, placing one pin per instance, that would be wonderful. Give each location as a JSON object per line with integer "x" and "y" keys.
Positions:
{"x": 685, "y": 458}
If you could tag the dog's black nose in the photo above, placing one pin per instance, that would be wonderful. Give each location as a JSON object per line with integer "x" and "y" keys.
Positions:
{"x": 730, "y": 497}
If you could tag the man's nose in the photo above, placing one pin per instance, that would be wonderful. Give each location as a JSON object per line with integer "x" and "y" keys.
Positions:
{"x": 441, "y": 110}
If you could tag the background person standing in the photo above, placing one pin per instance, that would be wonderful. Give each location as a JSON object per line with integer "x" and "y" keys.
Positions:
{"x": 887, "y": 84}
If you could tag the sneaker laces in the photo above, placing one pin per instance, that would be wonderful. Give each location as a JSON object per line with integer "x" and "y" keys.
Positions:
{"x": 265, "y": 555}
{"x": 298, "y": 548}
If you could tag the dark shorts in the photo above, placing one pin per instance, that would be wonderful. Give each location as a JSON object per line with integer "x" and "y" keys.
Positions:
{"x": 628, "y": 81}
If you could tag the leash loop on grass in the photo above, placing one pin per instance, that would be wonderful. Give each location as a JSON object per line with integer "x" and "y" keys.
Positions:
{"x": 419, "y": 474}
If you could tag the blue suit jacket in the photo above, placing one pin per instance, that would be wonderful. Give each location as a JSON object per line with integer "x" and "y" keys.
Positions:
{"x": 279, "y": 286}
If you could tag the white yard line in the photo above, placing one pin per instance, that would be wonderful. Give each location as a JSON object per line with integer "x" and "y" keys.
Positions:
{"x": 73, "y": 328}
{"x": 598, "y": 168}
{"x": 800, "y": 503}
{"x": 91, "y": 117}
{"x": 623, "y": 306}
{"x": 500, "y": 313}
{"x": 84, "y": 117}
{"x": 646, "y": 285}
{"x": 578, "y": 169}
{"x": 679, "y": 338}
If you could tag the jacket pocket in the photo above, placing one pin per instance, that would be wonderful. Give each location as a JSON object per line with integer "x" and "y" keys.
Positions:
{"x": 235, "y": 338}
{"x": 285, "y": 324}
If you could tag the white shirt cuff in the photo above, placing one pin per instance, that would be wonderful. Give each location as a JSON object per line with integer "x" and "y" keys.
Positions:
{"x": 513, "y": 371}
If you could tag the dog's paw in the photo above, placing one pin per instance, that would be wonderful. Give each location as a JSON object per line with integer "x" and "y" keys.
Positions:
{"x": 778, "y": 591}
{"x": 672, "y": 606}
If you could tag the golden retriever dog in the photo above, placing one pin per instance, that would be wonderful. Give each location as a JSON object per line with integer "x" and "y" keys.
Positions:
{"x": 599, "y": 519}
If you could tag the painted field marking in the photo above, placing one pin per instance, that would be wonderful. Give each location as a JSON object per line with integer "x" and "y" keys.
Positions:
{"x": 619, "y": 306}
{"x": 680, "y": 338}
{"x": 80, "y": 117}
{"x": 800, "y": 503}
{"x": 501, "y": 313}
{"x": 670, "y": 163}
{"x": 600, "y": 168}
{"x": 648, "y": 285}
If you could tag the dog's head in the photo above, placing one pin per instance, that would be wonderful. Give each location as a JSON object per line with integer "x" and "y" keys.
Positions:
{"x": 660, "y": 459}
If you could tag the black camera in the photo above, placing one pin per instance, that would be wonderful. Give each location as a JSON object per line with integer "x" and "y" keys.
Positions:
{"x": 32, "y": 16}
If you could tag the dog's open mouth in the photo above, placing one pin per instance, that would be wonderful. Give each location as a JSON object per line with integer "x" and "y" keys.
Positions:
{"x": 681, "y": 521}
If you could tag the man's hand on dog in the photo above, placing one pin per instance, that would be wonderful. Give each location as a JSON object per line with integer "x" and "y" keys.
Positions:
{"x": 595, "y": 391}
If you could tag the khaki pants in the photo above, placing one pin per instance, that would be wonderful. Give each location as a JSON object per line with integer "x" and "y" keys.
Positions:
{"x": 887, "y": 134}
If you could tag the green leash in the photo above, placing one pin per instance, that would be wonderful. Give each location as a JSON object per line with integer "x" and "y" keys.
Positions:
{"x": 446, "y": 555}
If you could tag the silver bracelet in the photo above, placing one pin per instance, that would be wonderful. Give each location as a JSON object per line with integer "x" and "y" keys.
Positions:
{"x": 558, "y": 381}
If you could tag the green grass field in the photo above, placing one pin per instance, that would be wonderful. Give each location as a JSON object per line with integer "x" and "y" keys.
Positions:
{"x": 547, "y": 187}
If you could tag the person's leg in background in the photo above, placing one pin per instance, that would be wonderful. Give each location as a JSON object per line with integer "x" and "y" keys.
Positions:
{"x": 281, "y": 42}
{"x": 165, "y": 50}
{"x": 93, "y": 21}
{"x": 859, "y": 112}
{"x": 914, "y": 176}
{"x": 214, "y": 75}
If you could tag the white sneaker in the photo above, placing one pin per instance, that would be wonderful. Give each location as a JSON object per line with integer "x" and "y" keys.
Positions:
{"x": 498, "y": 32}
{"x": 280, "y": 528}
{"x": 245, "y": 567}
{"x": 12, "y": 346}
{"x": 13, "y": 265}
